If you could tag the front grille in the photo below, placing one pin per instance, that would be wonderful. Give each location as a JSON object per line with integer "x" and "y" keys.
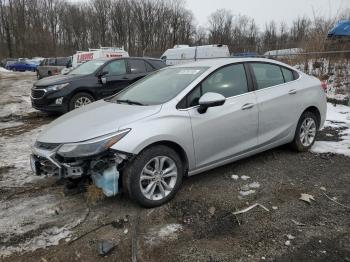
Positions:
{"x": 46, "y": 146}
{"x": 38, "y": 93}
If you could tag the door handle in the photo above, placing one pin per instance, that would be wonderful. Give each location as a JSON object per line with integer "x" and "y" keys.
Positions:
{"x": 247, "y": 106}
{"x": 292, "y": 92}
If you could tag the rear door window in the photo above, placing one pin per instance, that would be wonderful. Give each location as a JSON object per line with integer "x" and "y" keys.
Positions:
{"x": 137, "y": 66}
{"x": 267, "y": 75}
{"x": 287, "y": 74}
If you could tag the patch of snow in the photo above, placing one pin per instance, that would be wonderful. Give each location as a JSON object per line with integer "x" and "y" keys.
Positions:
{"x": 337, "y": 117}
{"x": 167, "y": 232}
{"x": 254, "y": 185}
{"x": 15, "y": 152}
{"x": 15, "y": 97}
{"x": 246, "y": 193}
{"x": 245, "y": 177}
{"x": 37, "y": 222}
{"x": 10, "y": 124}
{"x": 4, "y": 70}
{"x": 49, "y": 237}
{"x": 290, "y": 237}
{"x": 235, "y": 177}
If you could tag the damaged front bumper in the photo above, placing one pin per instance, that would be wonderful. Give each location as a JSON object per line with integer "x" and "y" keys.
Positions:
{"x": 103, "y": 169}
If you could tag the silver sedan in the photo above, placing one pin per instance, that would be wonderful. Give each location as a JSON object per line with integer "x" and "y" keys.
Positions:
{"x": 182, "y": 120}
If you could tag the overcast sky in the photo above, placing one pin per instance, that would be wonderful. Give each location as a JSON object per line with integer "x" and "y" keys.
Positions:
{"x": 265, "y": 10}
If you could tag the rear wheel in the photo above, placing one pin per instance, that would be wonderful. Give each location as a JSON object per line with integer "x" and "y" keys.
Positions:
{"x": 154, "y": 177}
{"x": 306, "y": 132}
{"x": 80, "y": 100}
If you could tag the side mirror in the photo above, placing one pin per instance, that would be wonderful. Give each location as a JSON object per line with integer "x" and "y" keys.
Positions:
{"x": 210, "y": 99}
{"x": 102, "y": 77}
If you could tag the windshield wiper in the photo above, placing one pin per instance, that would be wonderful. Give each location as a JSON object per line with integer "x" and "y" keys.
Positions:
{"x": 130, "y": 102}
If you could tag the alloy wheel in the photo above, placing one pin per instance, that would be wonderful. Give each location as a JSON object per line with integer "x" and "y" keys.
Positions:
{"x": 307, "y": 132}
{"x": 81, "y": 101}
{"x": 158, "y": 178}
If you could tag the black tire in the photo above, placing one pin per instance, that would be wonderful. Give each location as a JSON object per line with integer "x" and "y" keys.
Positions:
{"x": 132, "y": 173}
{"x": 296, "y": 143}
{"x": 78, "y": 96}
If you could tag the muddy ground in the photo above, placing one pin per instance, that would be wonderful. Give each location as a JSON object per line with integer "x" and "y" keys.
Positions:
{"x": 197, "y": 225}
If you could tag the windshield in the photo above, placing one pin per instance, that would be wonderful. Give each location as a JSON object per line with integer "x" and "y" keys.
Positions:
{"x": 158, "y": 87}
{"x": 87, "y": 68}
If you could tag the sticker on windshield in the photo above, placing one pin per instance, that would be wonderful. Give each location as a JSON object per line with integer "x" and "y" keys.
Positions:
{"x": 189, "y": 72}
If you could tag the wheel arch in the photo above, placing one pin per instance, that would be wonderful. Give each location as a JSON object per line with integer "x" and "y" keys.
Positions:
{"x": 316, "y": 112}
{"x": 176, "y": 147}
{"x": 81, "y": 90}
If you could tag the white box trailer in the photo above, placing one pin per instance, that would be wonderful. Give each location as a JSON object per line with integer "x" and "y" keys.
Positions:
{"x": 183, "y": 53}
{"x": 103, "y": 52}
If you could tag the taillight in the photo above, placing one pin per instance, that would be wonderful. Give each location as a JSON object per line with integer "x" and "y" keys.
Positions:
{"x": 324, "y": 85}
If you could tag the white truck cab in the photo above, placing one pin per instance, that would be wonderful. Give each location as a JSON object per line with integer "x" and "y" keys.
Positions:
{"x": 184, "y": 53}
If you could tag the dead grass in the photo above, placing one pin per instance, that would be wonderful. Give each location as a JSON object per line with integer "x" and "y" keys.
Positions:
{"x": 93, "y": 194}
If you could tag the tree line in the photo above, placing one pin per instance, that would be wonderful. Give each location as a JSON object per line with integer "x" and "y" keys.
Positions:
{"x": 143, "y": 27}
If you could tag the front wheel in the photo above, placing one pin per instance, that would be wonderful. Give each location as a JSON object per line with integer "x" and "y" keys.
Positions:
{"x": 154, "y": 176}
{"x": 80, "y": 100}
{"x": 306, "y": 132}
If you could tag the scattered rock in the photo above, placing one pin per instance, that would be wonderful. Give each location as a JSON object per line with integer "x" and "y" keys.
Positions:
{"x": 287, "y": 243}
{"x": 323, "y": 188}
{"x": 306, "y": 198}
{"x": 212, "y": 210}
{"x": 126, "y": 231}
{"x": 274, "y": 207}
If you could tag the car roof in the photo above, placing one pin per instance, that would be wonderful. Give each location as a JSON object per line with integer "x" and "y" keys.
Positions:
{"x": 218, "y": 62}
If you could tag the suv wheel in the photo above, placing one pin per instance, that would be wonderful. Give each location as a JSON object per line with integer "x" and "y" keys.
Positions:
{"x": 80, "y": 100}
{"x": 306, "y": 132}
{"x": 154, "y": 177}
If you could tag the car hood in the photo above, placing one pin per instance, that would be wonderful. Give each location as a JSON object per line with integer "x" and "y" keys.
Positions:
{"x": 57, "y": 79}
{"x": 93, "y": 120}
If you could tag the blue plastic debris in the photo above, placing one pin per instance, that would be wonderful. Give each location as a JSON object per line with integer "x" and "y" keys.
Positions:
{"x": 107, "y": 180}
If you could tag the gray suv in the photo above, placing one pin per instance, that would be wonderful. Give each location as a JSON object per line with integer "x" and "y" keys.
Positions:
{"x": 182, "y": 120}
{"x": 53, "y": 66}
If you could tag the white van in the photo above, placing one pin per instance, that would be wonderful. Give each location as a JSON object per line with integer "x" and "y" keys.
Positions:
{"x": 103, "y": 52}
{"x": 183, "y": 53}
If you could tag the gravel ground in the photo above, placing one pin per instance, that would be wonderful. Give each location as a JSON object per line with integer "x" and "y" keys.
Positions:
{"x": 39, "y": 223}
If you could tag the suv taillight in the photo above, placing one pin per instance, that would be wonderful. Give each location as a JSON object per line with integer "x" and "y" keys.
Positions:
{"x": 324, "y": 85}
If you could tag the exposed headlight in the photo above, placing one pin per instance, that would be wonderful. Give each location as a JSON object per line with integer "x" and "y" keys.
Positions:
{"x": 91, "y": 147}
{"x": 56, "y": 87}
